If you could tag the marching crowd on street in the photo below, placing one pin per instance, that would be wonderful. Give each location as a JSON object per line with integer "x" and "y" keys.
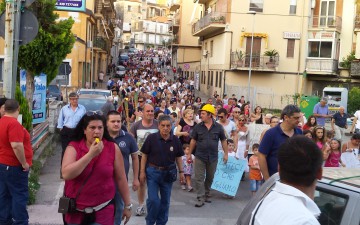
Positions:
{"x": 169, "y": 134}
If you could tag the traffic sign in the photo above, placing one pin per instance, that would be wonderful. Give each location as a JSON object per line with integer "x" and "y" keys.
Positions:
{"x": 61, "y": 77}
{"x": 29, "y": 26}
{"x": 64, "y": 69}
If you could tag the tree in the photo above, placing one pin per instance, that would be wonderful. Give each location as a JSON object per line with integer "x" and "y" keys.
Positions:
{"x": 47, "y": 51}
{"x": 353, "y": 100}
{"x": 24, "y": 109}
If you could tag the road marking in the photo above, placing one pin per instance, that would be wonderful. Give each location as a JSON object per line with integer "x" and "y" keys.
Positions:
{"x": 59, "y": 193}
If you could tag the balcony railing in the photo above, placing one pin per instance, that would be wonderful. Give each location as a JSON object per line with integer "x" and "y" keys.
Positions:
{"x": 100, "y": 42}
{"x": 322, "y": 65}
{"x": 355, "y": 68}
{"x": 257, "y": 62}
{"x": 212, "y": 18}
{"x": 326, "y": 22}
{"x": 357, "y": 22}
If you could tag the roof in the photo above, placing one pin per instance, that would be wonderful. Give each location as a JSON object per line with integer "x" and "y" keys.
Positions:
{"x": 337, "y": 176}
{"x": 159, "y": 19}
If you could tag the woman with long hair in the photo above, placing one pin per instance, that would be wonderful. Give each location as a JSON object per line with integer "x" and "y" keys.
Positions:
{"x": 257, "y": 116}
{"x": 319, "y": 136}
{"x": 185, "y": 126}
{"x": 91, "y": 167}
{"x": 310, "y": 124}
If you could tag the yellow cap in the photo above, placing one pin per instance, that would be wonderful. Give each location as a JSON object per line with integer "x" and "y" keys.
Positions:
{"x": 208, "y": 108}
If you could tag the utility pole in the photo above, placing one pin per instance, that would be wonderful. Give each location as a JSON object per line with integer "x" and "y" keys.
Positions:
{"x": 9, "y": 49}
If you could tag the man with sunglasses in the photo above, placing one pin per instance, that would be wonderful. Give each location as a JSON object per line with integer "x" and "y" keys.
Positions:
{"x": 69, "y": 117}
{"x": 228, "y": 125}
{"x": 275, "y": 137}
{"x": 140, "y": 130}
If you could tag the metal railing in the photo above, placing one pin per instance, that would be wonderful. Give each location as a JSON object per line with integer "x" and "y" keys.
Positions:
{"x": 326, "y": 22}
{"x": 258, "y": 62}
{"x": 100, "y": 42}
{"x": 355, "y": 68}
{"x": 211, "y": 18}
{"x": 322, "y": 65}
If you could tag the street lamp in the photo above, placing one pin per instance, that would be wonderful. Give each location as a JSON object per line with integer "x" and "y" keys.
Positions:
{"x": 251, "y": 53}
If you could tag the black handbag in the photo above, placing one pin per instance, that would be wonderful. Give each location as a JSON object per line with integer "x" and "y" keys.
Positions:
{"x": 171, "y": 175}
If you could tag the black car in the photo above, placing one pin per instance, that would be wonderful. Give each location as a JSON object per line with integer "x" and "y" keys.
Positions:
{"x": 53, "y": 92}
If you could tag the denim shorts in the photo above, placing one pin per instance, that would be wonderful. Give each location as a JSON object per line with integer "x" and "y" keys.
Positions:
{"x": 255, "y": 185}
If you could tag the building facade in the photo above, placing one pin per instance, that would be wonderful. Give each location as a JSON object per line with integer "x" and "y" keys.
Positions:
{"x": 271, "y": 52}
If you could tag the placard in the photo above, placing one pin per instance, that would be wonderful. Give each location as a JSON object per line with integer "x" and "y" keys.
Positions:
{"x": 228, "y": 176}
{"x": 71, "y": 5}
{"x": 39, "y": 99}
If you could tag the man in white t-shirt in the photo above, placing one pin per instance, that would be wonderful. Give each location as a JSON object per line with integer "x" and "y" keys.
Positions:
{"x": 291, "y": 200}
{"x": 356, "y": 123}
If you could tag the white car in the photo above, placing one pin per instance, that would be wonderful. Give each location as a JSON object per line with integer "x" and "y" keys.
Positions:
{"x": 102, "y": 92}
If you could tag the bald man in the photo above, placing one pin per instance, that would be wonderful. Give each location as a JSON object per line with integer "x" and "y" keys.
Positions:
{"x": 339, "y": 123}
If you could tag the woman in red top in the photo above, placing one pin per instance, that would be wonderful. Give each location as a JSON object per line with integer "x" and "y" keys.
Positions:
{"x": 91, "y": 167}
{"x": 310, "y": 124}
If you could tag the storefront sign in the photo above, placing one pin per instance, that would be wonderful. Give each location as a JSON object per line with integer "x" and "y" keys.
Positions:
{"x": 291, "y": 35}
{"x": 71, "y": 5}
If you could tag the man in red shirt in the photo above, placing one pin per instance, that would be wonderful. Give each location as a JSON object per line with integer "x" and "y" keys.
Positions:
{"x": 15, "y": 160}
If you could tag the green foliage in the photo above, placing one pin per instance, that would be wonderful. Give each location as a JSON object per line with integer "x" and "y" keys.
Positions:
{"x": 53, "y": 42}
{"x": 34, "y": 181}
{"x": 271, "y": 53}
{"x": 346, "y": 61}
{"x": 239, "y": 54}
{"x": 24, "y": 109}
{"x": 353, "y": 100}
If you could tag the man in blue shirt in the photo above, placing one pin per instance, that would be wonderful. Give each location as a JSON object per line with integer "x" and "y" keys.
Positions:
{"x": 339, "y": 123}
{"x": 128, "y": 146}
{"x": 276, "y": 136}
{"x": 69, "y": 117}
{"x": 321, "y": 112}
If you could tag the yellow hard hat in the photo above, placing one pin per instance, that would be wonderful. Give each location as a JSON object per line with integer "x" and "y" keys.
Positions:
{"x": 208, "y": 108}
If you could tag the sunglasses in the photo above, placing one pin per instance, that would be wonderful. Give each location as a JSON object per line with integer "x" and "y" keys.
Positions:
{"x": 91, "y": 113}
{"x": 236, "y": 111}
{"x": 242, "y": 120}
{"x": 220, "y": 117}
{"x": 149, "y": 111}
{"x": 140, "y": 101}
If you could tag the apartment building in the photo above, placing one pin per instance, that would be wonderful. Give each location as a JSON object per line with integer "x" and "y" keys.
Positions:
{"x": 279, "y": 49}
{"x": 186, "y": 49}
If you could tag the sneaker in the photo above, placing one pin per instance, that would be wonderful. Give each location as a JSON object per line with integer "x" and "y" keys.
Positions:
{"x": 183, "y": 187}
{"x": 190, "y": 189}
{"x": 140, "y": 211}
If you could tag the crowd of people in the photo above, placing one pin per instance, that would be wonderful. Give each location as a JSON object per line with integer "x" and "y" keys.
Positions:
{"x": 155, "y": 119}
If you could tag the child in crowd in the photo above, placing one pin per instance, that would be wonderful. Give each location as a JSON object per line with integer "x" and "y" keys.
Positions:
{"x": 231, "y": 153}
{"x": 307, "y": 133}
{"x": 188, "y": 162}
{"x": 255, "y": 174}
{"x": 334, "y": 158}
{"x": 319, "y": 136}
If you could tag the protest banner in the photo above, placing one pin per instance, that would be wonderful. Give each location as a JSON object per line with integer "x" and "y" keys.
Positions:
{"x": 227, "y": 176}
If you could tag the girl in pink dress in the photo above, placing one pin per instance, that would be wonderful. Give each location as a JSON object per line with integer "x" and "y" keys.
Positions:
{"x": 333, "y": 159}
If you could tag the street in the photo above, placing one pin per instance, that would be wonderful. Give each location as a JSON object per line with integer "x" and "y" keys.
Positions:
{"x": 182, "y": 210}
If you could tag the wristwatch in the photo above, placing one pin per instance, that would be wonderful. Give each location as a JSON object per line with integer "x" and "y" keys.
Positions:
{"x": 129, "y": 207}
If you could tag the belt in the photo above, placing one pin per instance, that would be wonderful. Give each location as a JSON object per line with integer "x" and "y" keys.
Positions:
{"x": 96, "y": 208}
{"x": 68, "y": 128}
{"x": 162, "y": 167}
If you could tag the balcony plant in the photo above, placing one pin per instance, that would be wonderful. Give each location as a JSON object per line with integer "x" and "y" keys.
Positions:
{"x": 239, "y": 57}
{"x": 272, "y": 55}
{"x": 217, "y": 19}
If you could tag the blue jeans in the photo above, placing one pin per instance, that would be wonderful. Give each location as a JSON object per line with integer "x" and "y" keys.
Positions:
{"x": 14, "y": 195}
{"x": 157, "y": 207}
{"x": 119, "y": 207}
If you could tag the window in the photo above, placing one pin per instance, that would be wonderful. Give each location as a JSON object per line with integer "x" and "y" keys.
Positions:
{"x": 290, "y": 48}
{"x": 147, "y": 38}
{"x": 332, "y": 206}
{"x": 217, "y": 78}
{"x": 212, "y": 78}
{"x": 161, "y": 29}
{"x": 139, "y": 9}
{"x": 320, "y": 49}
{"x": 256, "y": 5}
{"x": 208, "y": 80}
{"x": 292, "y": 7}
{"x": 129, "y": 8}
{"x": 1, "y": 69}
{"x": 220, "y": 79}
{"x": 327, "y": 13}
{"x": 205, "y": 46}
{"x": 211, "y": 48}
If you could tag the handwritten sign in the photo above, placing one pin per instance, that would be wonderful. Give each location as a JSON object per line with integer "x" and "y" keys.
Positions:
{"x": 350, "y": 160}
{"x": 227, "y": 176}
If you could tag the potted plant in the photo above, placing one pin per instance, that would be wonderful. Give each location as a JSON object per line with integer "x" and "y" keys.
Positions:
{"x": 239, "y": 58}
{"x": 272, "y": 54}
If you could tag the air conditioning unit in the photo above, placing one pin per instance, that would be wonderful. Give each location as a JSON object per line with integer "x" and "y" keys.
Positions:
{"x": 89, "y": 44}
{"x": 205, "y": 52}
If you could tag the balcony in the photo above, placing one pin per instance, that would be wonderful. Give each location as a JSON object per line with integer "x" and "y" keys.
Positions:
{"x": 174, "y": 26}
{"x": 357, "y": 23}
{"x": 355, "y": 68}
{"x": 209, "y": 24}
{"x": 321, "y": 66}
{"x": 259, "y": 63}
{"x": 175, "y": 6}
{"x": 100, "y": 44}
{"x": 204, "y": 1}
{"x": 327, "y": 23}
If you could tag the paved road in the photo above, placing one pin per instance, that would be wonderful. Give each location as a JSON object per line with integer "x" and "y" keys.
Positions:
{"x": 182, "y": 210}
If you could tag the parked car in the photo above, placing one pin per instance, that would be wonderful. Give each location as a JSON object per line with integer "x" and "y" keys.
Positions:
{"x": 337, "y": 195}
{"x": 102, "y": 92}
{"x": 92, "y": 102}
{"x": 54, "y": 92}
{"x": 120, "y": 72}
{"x": 123, "y": 58}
